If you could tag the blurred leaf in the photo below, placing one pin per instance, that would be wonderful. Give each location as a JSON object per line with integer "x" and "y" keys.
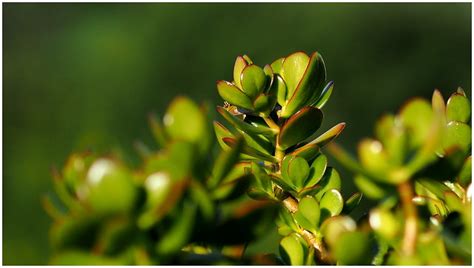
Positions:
{"x": 457, "y": 135}
{"x": 458, "y": 108}
{"x": 224, "y": 163}
{"x": 176, "y": 237}
{"x": 332, "y": 228}
{"x": 351, "y": 203}
{"x": 184, "y": 120}
{"x": 369, "y": 188}
{"x": 417, "y": 116}
{"x": 384, "y": 223}
{"x": 76, "y": 257}
{"x": 353, "y": 248}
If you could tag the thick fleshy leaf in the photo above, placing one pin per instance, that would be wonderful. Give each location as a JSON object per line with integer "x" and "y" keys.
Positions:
{"x": 279, "y": 87}
{"x": 109, "y": 187}
{"x": 465, "y": 176}
{"x": 351, "y": 203}
{"x": 250, "y": 129}
{"x": 325, "y": 96}
{"x": 458, "y": 108}
{"x": 262, "y": 180}
{"x": 264, "y": 104}
{"x": 330, "y": 180}
{"x": 308, "y": 151}
{"x": 437, "y": 101}
{"x": 240, "y": 64}
{"x": 369, "y": 188}
{"x": 457, "y": 135}
{"x": 222, "y": 132}
{"x": 384, "y": 223}
{"x": 331, "y": 204}
{"x": 417, "y": 117}
{"x": 253, "y": 81}
{"x": 184, "y": 120}
{"x": 250, "y": 151}
{"x": 276, "y": 65}
{"x": 327, "y": 136}
{"x": 234, "y": 95}
{"x": 300, "y": 126}
{"x": 372, "y": 156}
{"x": 333, "y": 227}
{"x": 293, "y": 249}
{"x": 158, "y": 130}
{"x": 225, "y": 162}
{"x": 176, "y": 237}
{"x": 297, "y": 171}
{"x": 311, "y": 84}
{"x": 353, "y": 248}
{"x": 308, "y": 208}
{"x": 316, "y": 171}
{"x": 292, "y": 70}
{"x": 258, "y": 143}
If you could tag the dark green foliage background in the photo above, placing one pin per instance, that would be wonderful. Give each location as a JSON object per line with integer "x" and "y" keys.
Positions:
{"x": 78, "y": 76}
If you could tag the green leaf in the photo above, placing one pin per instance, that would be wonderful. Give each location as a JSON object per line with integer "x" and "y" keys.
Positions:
{"x": 251, "y": 151}
{"x": 353, "y": 248}
{"x": 457, "y": 135}
{"x": 369, "y": 188}
{"x": 330, "y": 180}
{"x": 417, "y": 117}
{"x": 276, "y": 65}
{"x": 293, "y": 69}
{"x": 327, "y": 136}
{"x": 300, "y": 126}
{"x": 298, "y": 171}
{"x": 316, "y": 171}
{"x": 373, "y": 156}
{"x": 308, "y": 207}
{"x": 109, "y": 187}
{"x": 253, "y": 80}
{"x": 79, "y": 257}
{"x": 224, "y": 163}
{"x": 158, "y": 130}
{"x": 178, "y": 235}
{"x": 458, "y": 108}
{"x": 233, "y": 95}
{"x": 384, "y": 223}
{"x": 279, "y": 87}
{"x": 184, "y": 120}
{"x": 351, "y": 203}
{"x": 331, "y": 204}
{"x": 293, "y": 249}
{"x": 333, "y": 227}
{"x": 222, "y": 132}
{"x": 250, "y": 129}
{"x": 325, "y": 96}
{"x": 311, "y": 84}
{"x": 240, "y": 64}
{"x": 264, "y": 104}
{"x": 308, "y": 151}
{"x": 465, "y": 175}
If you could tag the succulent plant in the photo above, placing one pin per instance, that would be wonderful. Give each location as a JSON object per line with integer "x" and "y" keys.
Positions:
{"x": 189, "y": 204}
{"x": 420, "y": 156}
{"x": 282, "y": 151}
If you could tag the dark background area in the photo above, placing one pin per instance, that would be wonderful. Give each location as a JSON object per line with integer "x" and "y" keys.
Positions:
{"x": 78, "y": 76}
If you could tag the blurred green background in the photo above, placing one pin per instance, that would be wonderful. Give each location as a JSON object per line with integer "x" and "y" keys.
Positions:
{"x": 79, "y": 76}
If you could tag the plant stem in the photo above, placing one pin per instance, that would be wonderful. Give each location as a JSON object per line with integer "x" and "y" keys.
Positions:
{"x": 405, "y": 191}
{"x": 292, "y": 205}
{"x": 271, "y": 123}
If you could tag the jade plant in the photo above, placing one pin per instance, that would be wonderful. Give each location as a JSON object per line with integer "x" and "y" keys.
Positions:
{"x": 418, "y": 170}
{"x": 188, "y": 203}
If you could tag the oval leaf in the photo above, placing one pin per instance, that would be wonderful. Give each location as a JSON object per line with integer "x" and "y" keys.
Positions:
{"x": 253, "y": 81}
{"x": 458, "y": 108}
{"x": 233, "y": 95}
{"x": 300, "y": 126}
